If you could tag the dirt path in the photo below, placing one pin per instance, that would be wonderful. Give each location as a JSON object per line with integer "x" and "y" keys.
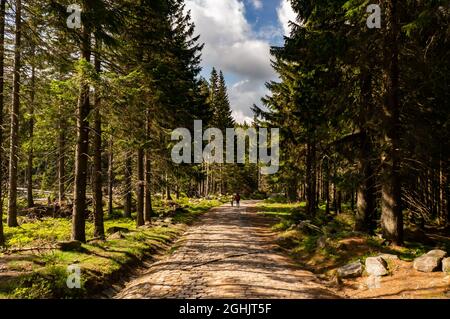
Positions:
{"x": 230, "y": 253}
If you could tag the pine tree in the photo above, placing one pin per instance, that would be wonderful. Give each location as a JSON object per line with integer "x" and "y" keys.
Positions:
{"x": 2, "y": 89}
{"x": 14, "y": 135}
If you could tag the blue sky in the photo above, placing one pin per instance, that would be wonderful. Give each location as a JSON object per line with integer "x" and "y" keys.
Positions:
{"x": 238, "y": 35}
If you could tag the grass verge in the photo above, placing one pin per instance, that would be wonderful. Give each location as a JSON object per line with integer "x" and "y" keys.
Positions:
{"x": 325, "y": 242}
{"x": 43, "y": 273}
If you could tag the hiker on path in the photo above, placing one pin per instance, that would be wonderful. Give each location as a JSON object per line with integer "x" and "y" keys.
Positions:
{"x": 237, "y": 198}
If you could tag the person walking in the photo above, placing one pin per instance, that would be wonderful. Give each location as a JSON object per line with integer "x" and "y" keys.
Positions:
{"x": 237, "y": 198}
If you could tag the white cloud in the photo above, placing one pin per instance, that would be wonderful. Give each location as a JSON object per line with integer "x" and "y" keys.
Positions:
{"x": 257, "y": 4}
{"x": 286, "y": 14}
{"x": 232, "y": 46}
{"x": 243, "y": 95}
{"x": 241, "y": 118}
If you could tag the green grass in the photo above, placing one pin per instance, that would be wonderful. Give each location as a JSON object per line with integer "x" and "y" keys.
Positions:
{"x": 44, "y": 274}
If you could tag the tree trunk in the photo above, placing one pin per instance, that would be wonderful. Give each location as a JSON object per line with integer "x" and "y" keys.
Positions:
{"x": 148, "y": 209}
{"x": 140, "y": 188}
{"x": 326, "y": 169}
{"x": 61, "y": 159}
{"x": 310, "y": 179}
{"x": 148, "y": 188}
{"x": 339, "y": 202}
{"x": 110, "y": 177}
{"x": 365, "y": 203}
{"x": 30, "y": 201}
{"x": 391, "y": 206}
{"x": 2, "y": 84}
{"x": 82, "y": 149}
{"x": 14, "y": 136}
{"x": 128, "y": 194}
{"x": 99, "y": 228}
{"x": 168, "y": 196}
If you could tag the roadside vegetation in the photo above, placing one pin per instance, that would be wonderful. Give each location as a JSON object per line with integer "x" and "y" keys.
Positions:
{"x": 34, "y": 266}
{"x": 325, "y": 242}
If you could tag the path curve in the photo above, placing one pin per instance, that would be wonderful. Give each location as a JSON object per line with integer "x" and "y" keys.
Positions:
{"x": 229, "y": 253}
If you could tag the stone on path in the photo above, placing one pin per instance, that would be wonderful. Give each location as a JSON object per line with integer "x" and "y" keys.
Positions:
{"x": 438, "y": 253}
{"x": 389, "y": 257}
{"x": 376, "y": 266}
{"x": 429, "y": 262}
{"x": 351, "y": 270}
{"x": 446, "y": 264}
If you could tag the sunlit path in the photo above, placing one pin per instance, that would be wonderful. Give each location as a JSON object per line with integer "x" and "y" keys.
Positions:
{"x": 229, "y": 254}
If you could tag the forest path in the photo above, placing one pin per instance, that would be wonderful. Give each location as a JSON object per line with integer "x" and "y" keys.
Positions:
{"x": 229, "y": 253}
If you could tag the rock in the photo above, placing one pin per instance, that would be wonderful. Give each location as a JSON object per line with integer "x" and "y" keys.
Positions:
{"x": 168, "y": 220}
{"x": 376, "y": 266}
{"x": 427, "y": 263}
{"x": 117, "y": 235}
{"x": 73, "y": 245}
{"x": 389, "y": 257}
{"x": 446, "y": 264}
{"x": 322, "y": 242}
{"x": 351, "y": 270}
{"x": 115, "y": 229}
{"x": 431, "y": 261}
{"x": 437, "y": 253}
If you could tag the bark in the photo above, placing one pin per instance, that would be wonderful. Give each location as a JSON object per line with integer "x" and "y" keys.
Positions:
{"x": 61, "y": 159}
{"x": 148, "y": 209}
{"x": 339, "y": 202}
{"x": 128, "y": 195}
{"x": 335, "y": 209}
{"x": 110, "y": 178}
{"x": 311, "y": 179}
{"x": 82, "y": 150}
{"x": 14, "y": 136}
{"x": 391, "y": 206}
{"x": 30, "y": 201}
{"x": 365, "y": 202}
{"x": 140, "y": 188}
{"x": 446, "y": 186}
{"x": 148, "y": 186}
{"x": 99, "y": 229}
{"x": 2, "y": 56}
{"x": 168, "y": 195}
{"x": 326, "y": 169}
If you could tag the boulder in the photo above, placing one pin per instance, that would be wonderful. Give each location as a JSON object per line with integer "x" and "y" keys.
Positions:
{"x": 115, "y": 229}
{"x": 389, "y": 257}
{"x": 73, "y": 245}
{"x": 437, "y": 253}
{"x": 376, "y": 266}
{"x": 446, "y": 264}
{"x": 351, "y": 270}
{"x": 427, "y": 263}
{"x": 168, "y": 220}
{"x": 117, "y": 235}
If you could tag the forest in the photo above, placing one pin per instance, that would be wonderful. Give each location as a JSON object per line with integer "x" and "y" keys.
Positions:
{"x": 87, "y": 112}
{"x": 364, "y": 112}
